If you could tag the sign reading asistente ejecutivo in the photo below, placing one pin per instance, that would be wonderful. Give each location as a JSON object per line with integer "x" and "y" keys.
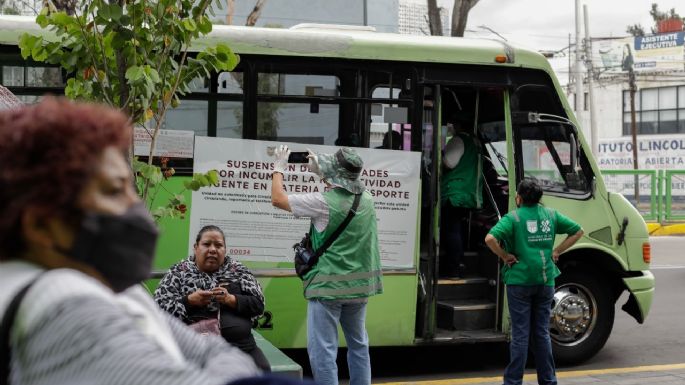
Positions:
{"x": 240, "y": 203}
{"x": 651, "y": 53}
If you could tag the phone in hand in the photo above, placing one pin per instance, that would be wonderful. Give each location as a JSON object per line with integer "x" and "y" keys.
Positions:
{"x": 298, "y": 157}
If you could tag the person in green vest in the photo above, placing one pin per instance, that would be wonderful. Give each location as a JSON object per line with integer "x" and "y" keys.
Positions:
{"x": 347, "y": 273}
{"x": 461, "y": 190}
{"x": 529, "y": 271}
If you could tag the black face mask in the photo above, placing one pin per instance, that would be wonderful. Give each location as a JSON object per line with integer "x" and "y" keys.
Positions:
{"x": 120, "y": 247}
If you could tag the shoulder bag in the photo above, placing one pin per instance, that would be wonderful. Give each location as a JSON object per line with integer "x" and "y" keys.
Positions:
{"x": 305, "y": 257}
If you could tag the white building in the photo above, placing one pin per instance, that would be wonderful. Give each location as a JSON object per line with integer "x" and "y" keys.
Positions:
{"x": 659, "y": 66}
{"x": 413, "y": 18}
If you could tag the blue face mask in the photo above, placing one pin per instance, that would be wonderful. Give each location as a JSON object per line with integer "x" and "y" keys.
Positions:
{"x": 120, "y": 247}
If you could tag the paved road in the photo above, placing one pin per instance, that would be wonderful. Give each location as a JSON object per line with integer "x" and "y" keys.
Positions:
{"x": 652, "y": 353}
{"x": 653, "y": 350}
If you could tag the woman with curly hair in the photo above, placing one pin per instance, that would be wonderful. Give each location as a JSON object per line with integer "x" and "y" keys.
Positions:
{"x": 208, "y": 284}
{"x": 75, "y": 241}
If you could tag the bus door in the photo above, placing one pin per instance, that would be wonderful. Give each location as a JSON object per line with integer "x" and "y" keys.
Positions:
{"x": 430, "y": 212}
{"x": 464, "y": 305}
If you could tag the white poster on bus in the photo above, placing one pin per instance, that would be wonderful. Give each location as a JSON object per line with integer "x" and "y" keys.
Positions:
{"x": 240, "y": 204}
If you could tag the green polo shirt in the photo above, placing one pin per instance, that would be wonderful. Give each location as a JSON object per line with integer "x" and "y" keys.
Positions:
{"x": 528, "y": 232}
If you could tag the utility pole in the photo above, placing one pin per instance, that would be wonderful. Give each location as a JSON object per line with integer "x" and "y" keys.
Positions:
{"x": 590, "y": 75}
{"x": 366, "y": 15}
{"x": 568, "y": 85}
{"x": 579, "y": 73}
{"x": 633, "y": 127}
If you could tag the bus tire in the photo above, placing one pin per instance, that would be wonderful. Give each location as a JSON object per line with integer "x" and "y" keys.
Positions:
{"x": 582, "y": 316}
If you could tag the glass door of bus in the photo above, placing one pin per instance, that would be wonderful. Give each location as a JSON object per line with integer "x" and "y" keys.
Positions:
{"x": 462, "y": 305}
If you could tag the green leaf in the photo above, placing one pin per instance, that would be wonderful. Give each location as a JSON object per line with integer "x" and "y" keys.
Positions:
{"x": 205, "y": 25}
{"x": 189, "y": 24}
{"x": 134, "y": 73}
{"x": 115, "y": 11}
{"x": 42, "y": 20}
{"x": 61, "y": 19}
{"x": 213, "y": 176}
{"x": 152, "y": 74}
{"x": 26, "y": 43}
{"x": 104, "y": 11}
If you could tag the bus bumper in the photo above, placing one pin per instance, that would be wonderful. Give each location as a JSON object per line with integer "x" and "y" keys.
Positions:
{"x": 641, "y": 290}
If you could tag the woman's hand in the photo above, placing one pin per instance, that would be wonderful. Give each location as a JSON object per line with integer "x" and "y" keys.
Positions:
{"x": 200, "y": 298}
{"x": 222, "y": 296}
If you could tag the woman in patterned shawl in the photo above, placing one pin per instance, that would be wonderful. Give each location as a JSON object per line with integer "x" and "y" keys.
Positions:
{"x": 208, "y": 282}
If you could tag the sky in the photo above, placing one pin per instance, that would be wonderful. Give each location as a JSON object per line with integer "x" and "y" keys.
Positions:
{"x": 546, "y": 24}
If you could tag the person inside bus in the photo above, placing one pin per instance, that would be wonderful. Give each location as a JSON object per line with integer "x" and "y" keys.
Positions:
{"x": 530, "y": 257}
{"x": 392, "y": 140}
{"x": 75, "y": 244}
{"x": 461, "y": 190}
{"x": 348, "y": 272}
{"x": 210, "y": 282}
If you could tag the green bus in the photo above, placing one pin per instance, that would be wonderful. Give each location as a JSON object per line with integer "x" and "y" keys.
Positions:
{"x": 342, "y": 85}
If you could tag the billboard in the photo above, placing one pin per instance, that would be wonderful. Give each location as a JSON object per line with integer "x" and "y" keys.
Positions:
{"x": 652, "y": 53}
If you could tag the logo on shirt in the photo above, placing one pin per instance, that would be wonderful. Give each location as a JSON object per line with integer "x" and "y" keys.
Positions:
{"x": 532, "y": 226}
{"x": 546, "y": 226}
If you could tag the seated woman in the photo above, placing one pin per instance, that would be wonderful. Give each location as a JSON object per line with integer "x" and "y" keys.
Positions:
{"x": 76, "y": 241}
{"x": 208, "y": 282}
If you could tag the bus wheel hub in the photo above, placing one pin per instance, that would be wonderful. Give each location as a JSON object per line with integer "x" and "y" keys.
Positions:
{"x": 572, "y": 314}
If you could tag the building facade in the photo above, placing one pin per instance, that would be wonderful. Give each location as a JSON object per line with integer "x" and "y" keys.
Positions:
{"x": 658, "y": 63}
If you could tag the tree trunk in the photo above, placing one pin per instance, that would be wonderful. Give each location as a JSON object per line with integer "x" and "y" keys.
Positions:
{"x": 67, "y": 6}
{"x": 434, "y": 21}
{"x": 460, "y": 14}
{"x": 230, "y": 10}
{"x": 254, "y": 15}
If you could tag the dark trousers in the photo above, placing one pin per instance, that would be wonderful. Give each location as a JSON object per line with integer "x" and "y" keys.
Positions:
{"x": 530, "y": 308}
{"x": 259, "y": 358}
{"x": 452, "y": 219}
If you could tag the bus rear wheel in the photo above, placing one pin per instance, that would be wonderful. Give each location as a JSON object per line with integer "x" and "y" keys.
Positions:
{"x": 582, "y": 317}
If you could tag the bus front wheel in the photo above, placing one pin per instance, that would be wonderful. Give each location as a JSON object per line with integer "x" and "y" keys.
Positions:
{"x": 582, "y": 316}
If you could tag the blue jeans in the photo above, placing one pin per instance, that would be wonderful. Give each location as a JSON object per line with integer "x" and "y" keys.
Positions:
{"x": 322, "y": 340}
{"x": 530, "y": 308}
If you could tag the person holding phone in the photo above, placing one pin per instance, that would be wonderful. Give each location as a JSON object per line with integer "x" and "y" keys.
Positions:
{"x": 348, "y": 272}
{"x": 529, "y": 270}
{"x": 210, "y": 282}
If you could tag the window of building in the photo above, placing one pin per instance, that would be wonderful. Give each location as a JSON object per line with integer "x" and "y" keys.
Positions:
{"x": 657, "y": 111}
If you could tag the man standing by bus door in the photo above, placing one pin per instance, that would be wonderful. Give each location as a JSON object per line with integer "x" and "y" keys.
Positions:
{"x": 348, "y": 272}
{"x": 530, "y": 268}
{"x": 461, "y": 190}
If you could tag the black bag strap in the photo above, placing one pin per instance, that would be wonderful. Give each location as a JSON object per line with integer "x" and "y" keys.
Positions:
{"x": 329, "y": 241}
{"x": 5, "y": 326}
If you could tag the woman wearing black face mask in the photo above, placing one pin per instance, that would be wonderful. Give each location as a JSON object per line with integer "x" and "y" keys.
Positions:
{"x": 73, "y": 228}
{"x": 209, "y": 282}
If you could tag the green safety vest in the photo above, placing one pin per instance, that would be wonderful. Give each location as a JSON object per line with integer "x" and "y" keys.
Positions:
{"x": 462, "y": 186}
{"x": 351, "y": 266}
{"x": 528, "y": 232}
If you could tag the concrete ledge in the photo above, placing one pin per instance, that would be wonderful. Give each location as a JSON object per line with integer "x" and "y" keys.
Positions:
{"x": 656, "y": 229}
{"x": 280, "y": 363}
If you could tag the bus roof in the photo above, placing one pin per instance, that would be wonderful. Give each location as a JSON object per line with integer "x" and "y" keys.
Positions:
{"x": 320, "y": 41}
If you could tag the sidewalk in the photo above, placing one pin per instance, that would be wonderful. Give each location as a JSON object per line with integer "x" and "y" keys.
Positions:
{"x": 673, "y": 374}
{"x": 656, "y": 229}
